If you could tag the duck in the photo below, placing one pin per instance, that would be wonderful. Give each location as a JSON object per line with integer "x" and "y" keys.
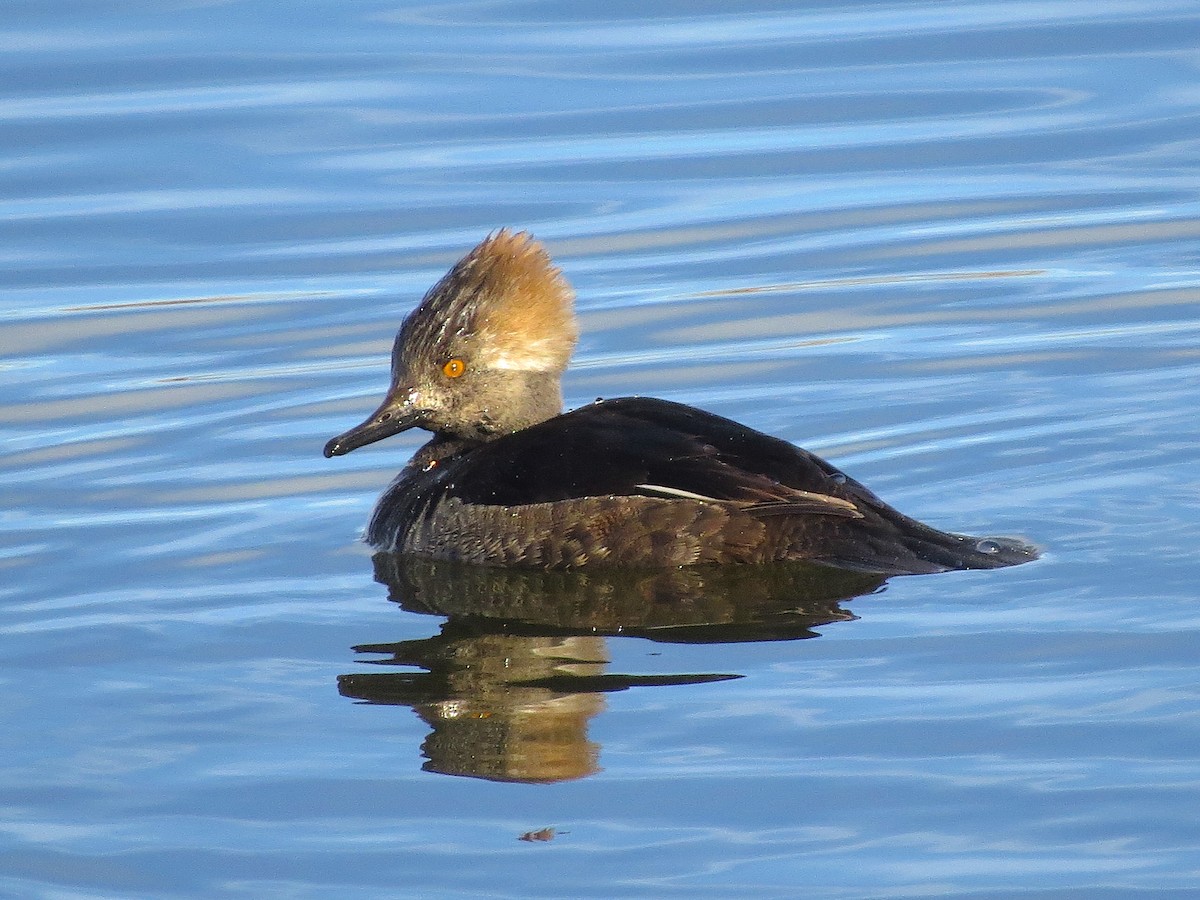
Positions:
{"x": 510, "y": 479}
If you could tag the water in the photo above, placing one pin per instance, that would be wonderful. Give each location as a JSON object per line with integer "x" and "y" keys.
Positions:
{"x": 954, "y": 249}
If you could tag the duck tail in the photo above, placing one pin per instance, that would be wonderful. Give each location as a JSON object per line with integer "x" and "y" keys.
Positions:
{"x": 946, "y": 551}
{"x": 909, "y": 547}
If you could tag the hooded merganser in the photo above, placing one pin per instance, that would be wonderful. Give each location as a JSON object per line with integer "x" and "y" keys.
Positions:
{"x": 508, "y": 479}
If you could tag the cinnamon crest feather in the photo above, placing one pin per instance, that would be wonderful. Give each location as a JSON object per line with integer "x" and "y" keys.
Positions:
{"x": 505, "y": 301}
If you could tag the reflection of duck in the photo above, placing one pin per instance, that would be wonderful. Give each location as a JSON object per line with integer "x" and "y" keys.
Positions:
{"x": 510, "y": 480}
{"x": 698, "y": 604}
{"x": 518, "y": 671}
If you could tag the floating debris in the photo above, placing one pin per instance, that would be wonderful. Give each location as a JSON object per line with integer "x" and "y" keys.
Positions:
{"x": 542, "y": 834}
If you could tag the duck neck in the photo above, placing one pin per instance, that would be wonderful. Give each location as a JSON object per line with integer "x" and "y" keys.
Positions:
{"x": 518, "y": 401}
{"x": 438, "y": 448}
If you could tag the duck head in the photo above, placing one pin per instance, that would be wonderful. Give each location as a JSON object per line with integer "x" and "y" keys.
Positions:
{"x": 484, "y": 352}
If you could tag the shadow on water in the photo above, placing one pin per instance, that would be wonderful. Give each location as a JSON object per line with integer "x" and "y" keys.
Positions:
{"x": 517, "y": 671}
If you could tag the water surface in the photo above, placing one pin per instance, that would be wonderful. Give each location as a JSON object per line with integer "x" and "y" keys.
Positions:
{"x": 952, "y": 249}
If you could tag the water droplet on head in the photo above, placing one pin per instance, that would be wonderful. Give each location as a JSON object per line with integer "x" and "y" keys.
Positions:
{"x": 838, "y": 478}
{"x": 987, "y": 545}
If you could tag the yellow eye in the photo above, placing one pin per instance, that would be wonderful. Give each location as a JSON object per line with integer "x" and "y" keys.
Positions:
{"x": 454, "y": 368}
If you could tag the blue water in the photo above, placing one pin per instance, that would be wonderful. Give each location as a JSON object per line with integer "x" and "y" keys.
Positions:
{"x": 954, "y": 248}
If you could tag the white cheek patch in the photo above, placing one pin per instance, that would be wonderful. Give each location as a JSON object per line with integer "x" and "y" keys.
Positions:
{"x": 537, "y": 356}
